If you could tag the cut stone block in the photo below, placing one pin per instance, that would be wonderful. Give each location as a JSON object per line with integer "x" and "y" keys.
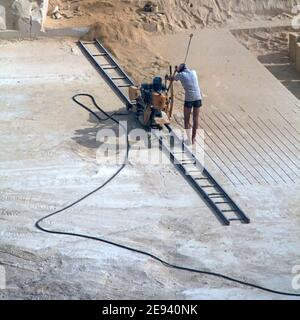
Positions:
{"x": 293, "y": 40}
{"x": 298, "y": 57}
{"x": 18, "y": 14}
{"x": 29, "y": 28}
{"x": 2, "y": 18}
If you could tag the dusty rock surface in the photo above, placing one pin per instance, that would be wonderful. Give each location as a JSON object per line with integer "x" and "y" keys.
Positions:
{"x": 48, "y": 160}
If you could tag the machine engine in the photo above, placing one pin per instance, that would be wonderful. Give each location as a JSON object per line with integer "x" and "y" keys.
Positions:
{"x": 153, "y": 103}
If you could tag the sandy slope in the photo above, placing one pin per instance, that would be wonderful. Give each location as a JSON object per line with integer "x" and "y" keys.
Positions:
{"x": 120, "y": 23}
{"x": 173, "y": 14}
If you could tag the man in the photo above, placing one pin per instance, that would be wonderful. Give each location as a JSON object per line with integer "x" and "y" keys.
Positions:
{"x": 193, "y": 98}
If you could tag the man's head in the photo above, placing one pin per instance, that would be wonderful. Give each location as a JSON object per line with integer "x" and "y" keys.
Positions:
{"x": 181, "y": 67}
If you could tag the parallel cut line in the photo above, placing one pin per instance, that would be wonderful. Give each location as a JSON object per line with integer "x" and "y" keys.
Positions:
{"x": 215, "y": 162}
{"x": 264, "y": 151}
{"x": 281, "y": 141}
{"x": 272, "y": 151}
{"x": 225, "y": 155}
{"x": 278, "y": 147}
{"x": 298, "y": 141}
{"x": 239, "y": 142}
{"x": 220, "y": 168}
{"x": 243, "y": 165}
{"x": 250, "y": 154}
{"x": 287, "y": 121}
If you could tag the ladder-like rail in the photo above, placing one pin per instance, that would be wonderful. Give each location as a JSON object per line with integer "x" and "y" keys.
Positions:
{"x": 217, "y": 199}
{"x": 186, "y": 162}
{"x": 108, "y": 67}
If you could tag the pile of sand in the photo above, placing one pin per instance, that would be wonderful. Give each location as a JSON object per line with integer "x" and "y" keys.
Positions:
{"x": 172, "y": 15}
{"x": 125, "y": 28}
{"x": 131, "y": 46}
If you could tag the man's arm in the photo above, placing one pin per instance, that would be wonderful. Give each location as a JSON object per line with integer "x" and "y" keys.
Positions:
{"x": 170, "y": 78}
{"x": 175, "y": 77}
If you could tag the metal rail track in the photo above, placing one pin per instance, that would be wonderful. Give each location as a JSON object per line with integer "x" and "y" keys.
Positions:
{"x": 222, "y": 205}
{"x": 217, "y": 199}
{"x": 108, "y": 67}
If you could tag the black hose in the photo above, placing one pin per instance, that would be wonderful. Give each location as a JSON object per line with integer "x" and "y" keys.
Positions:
{"x": 145, "y": 253}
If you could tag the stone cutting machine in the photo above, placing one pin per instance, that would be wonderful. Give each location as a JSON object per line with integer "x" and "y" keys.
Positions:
{"x": 154, "y": 102}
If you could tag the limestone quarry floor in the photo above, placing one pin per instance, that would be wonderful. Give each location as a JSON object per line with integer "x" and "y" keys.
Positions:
{"x": 48, "y": 150}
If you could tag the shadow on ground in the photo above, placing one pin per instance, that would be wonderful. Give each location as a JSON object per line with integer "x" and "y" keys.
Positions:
{"x": 283, "y": 69}
{"x": 87, "y": 137}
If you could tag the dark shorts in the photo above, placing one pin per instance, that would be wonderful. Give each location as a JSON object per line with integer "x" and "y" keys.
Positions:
{"x": 193, "y": 104}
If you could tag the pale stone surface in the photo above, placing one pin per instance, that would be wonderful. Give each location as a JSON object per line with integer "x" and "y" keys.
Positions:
{"x": 2, "y": 18}
{"x": 298, "y": 57}
{"x": 47, "y": 160}
{"x": 293, "y": 39}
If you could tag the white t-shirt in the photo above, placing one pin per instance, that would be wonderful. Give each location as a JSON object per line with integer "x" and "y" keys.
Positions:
{"x": 189, "y": 81}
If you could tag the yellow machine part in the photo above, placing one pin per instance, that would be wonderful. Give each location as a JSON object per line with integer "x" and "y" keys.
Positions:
{"x": 159, "y": 101}
{"x": 163, "y": 120}
{"x": 134, "y": 92}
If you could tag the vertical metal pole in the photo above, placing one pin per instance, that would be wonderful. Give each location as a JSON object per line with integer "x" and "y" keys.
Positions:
{"x": 188, "y": 49}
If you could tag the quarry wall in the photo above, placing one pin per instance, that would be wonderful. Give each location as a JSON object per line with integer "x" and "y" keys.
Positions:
{"x": 26, "y": 16}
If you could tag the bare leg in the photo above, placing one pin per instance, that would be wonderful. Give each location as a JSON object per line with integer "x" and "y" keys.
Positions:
{"x": 196, "y": 114}
{"x": 187, "y": 123}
